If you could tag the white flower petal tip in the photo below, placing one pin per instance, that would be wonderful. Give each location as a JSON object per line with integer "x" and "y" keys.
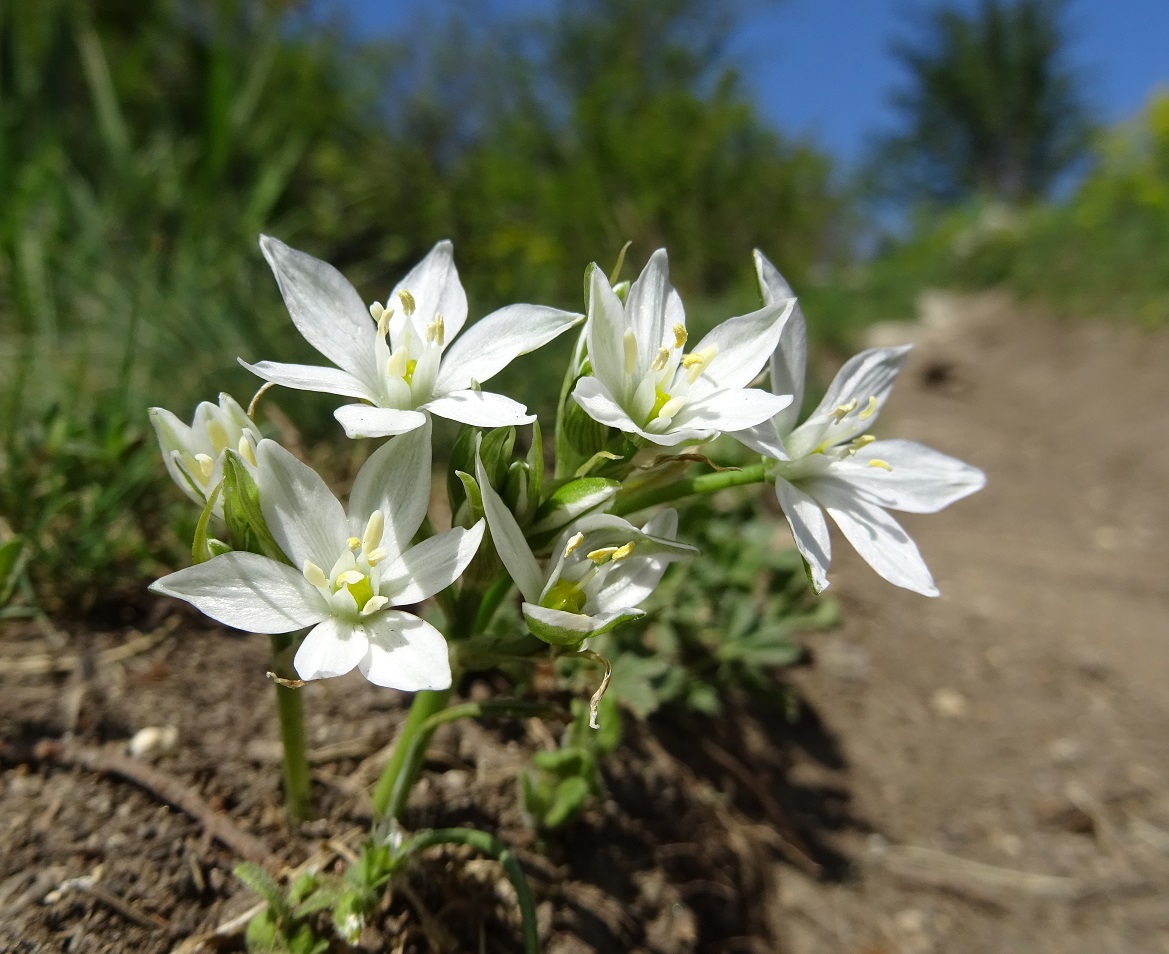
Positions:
{"x": 395, "y": 356}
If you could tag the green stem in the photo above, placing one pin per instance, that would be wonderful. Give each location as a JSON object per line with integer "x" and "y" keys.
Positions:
{"x": 405, "y": 763}
{"x": 702, "y": 484}
{"x": 494, "y": 848}
{"x": 393, "y": 788}
{"x": 290, "y": 711}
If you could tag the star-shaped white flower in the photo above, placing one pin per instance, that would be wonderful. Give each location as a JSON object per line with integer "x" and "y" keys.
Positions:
{"x": 354, "y": 568}
{"x": 414, "y": 372}
{"x": 194, "y": 455}
{"x": 602, "y": 568}
{"x": 830, "y": 465}
{"x": 643, "y": 382}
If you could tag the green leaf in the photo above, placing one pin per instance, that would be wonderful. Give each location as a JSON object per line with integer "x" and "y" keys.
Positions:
{"x": 572, "y": 500}
{"x": 567, "y": 801}
{"x": 200, "y": 549}
{"x": 12, "y": 560}
{"x": 242, "y": 513}
{"x": 495, "y": 452}
{"x": 462, "y": 459}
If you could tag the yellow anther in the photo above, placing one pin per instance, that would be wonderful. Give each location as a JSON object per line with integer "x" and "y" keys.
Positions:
{"x": 574, "y": 543}
{"x": 350, "y": 577}
{"x": 670, "y": 409}
{"x": 408, "y": 304}
{"x": 246, "y": 451}
{"x": 376, "y": 310}
{"x": 659, "y": 363}
{"x": 383, "y": 323}
{"x": 398, "y": 364}
{"x": 376, "y": 555}
{"x": 680, "y": 335}
{"x": 880, "y": 464}
{"x": 863, "y": 441}
{"x": 623, "y": 551}
{"x": 870, "y": 409}
{"x": 353, "y": 544}
{"x": 314, "y": 574}
{"x": 839, "y": 413}
{"x": 696, "y": 362}
{"x": 630, "y": 342}
{"x": 206, "y": 465}
{"x": 373, "y": 531}
{"x": 603, "y": 555}
{"x": 436, "y": 331}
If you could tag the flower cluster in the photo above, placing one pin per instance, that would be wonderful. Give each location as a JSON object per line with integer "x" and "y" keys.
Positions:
{"x": 278, "y": 553}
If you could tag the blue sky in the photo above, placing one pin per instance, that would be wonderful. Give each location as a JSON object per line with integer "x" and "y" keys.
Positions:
{"x": 822, "y": 67}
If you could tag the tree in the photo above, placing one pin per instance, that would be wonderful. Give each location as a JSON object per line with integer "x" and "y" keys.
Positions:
{"x": 992, "y": 107}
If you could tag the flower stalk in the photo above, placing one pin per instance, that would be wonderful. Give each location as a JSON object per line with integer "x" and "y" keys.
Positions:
{"x": 688, "y": 486}
{"x": 290, "y": 713}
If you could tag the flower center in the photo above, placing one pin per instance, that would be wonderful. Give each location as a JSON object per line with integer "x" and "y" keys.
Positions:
{"x": 408, "y": 365}
{"x": 669, "y": 378}
{"x": 351, "y": 587}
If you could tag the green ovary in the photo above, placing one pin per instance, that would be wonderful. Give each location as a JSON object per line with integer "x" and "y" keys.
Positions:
{"x": 361, "y": 591}
{"x": 408, "y": 377}
{"x": 661, "y": 399}
{"x": 564, "y": 596}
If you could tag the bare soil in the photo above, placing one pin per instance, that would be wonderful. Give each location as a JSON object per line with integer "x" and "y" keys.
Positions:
{"x": 981, "y": 772}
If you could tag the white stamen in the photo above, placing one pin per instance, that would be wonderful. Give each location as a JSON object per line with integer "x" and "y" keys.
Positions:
{"x": 573, "y": 543}
{"x": 659, "y": 363}
{"x": 397, "y": 363}
{"x": 838, "y": 414}
{"x": 373, "y": 604}
{"x": 408, "y": 304}
{"x": 880, "y": 464}
{"x": 671, "y": 408}
{"x": 376, "y": 555}
{"x": 376, "y": 311}
{"x": 350, "y": 576}
{"x": 436, "y": 331}
{"x": 353, "y": 543}
{"x": 680, "y": 335}
{"x": 870, "y": 409}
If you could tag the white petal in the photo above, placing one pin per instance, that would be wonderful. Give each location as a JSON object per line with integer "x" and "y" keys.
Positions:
{"x": 790, "y": 357}
{"x": 653, "y": 308}
{"x": 875, "y": 535}
{"x": 361, "y": 420}
{"x": 479, "y": 409}
{"x": 744, "y": 345}
{"x": 869, "y": 374}
{"x": 606, "y": 334}
{"x": 173, "y": 437}
{"x": 431, "y": 566}
{"x": 732, "y": 410}
{"x": 434, "y": 284}
{"x": 405, "y": 653}
{"x": 309, "y": 377}
{"x": 249, "y": 592}
{"x": 396, "y": 481}
{"x": 333, "y": 648}
{"x": 922, "y": 480}
{"x": 764, "y": 438}
{"x": 325, "y": 308}
{"x": 305, "y": 518}
{"x": 509, "y": 539}
{"x": 592, "y": 395}
{"x": 492, "y": 343}
{"x": 809, "y": 528}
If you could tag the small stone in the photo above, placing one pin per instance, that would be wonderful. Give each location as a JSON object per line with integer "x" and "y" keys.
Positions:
{"x": 1064, "y": 751}
{"x": 154, "y": 742}
{"x": 950, "y": 704}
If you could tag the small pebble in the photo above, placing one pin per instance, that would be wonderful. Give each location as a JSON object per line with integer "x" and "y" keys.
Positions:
{"x": 1064, "y": 751}
{"x": 154, "y": 742}
{"x": 950, "y": 704}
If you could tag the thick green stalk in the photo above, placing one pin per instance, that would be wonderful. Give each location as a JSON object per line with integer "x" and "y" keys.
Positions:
{"x": 397, "y": 788}
{"x": 702, "y": 484}
{"x": 493, "y": 848}
{"x": 406, "y": 761}
{"x": 290, "y": 711}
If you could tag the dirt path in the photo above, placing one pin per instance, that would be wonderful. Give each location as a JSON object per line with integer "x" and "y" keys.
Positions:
{"x": 1021, "y": 720}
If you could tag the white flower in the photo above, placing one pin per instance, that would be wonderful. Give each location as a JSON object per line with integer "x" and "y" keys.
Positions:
{"x": 603, "y": 567}
{"x": 414, "y": 372}
{"x": 194, "y": 455}
{"x": 355, "y": 568}
{"x": 644, "y": 383}
{"x": 829, "y": 464}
